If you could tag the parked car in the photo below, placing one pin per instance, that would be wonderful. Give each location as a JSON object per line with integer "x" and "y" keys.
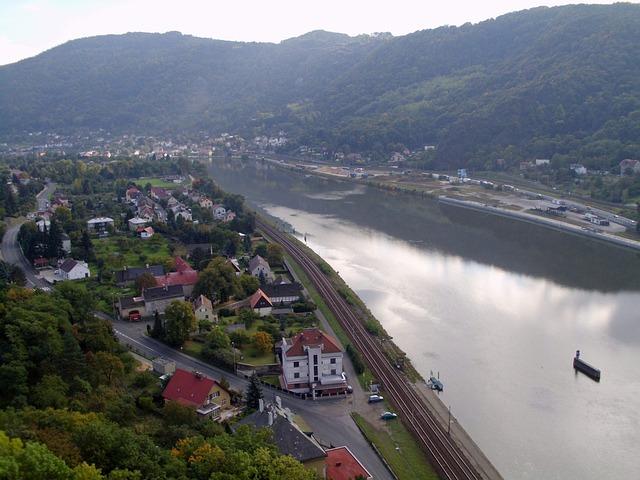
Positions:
{"x": 375, "y": 398}
{"x": 388, "y": 416}
{"x": 134, "y": 316}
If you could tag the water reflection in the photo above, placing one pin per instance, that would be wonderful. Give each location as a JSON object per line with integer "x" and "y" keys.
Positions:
{"x": 498, "y": 308}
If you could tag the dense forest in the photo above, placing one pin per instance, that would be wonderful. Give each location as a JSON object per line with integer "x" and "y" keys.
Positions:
{"x": 545, "y": 82}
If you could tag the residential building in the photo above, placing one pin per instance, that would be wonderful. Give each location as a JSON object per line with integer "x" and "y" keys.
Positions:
{"x": 541, "y": 162}
{"x": 145, "y": 232}
{"x": 157, "y": 299}
{"x": 203, "y": 309}
{"x": 205, "y": 202}
{"x": 128, "y": 275}
{"x": 259, "y": 267}
{"x": 137, "y": 222}
{"x": 629, "y": 166}
{"x": 342, "y": 464}
{"x": 158, "y": 193}
{"x": 66, "y": 243}
{"x": 218, "y": 211}
{"x": 99, "y": 224}
{"x": 283, "y": 293}
{"x": 229, "y": 217}
{"x": 184, "y": 214}
{"x": 235, "y": 265}
{"x": 72, "y": 269}
{"x": 184, "y": 276}
{"x": 312, "y": 362}
{"x": 131, "y": 305}
{"x": 132, "y": 194}
{"x": 288, "y": 436}
{"x": 260, "y": 303}
{"x": 195, "y": 390}
{"x": 578, "y": 168}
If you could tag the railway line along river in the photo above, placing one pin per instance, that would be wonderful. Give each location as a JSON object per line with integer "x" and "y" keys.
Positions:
{"x": 496, "y": 306}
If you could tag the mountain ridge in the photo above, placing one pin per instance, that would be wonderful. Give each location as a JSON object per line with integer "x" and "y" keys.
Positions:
{"x": 559, "y": 81}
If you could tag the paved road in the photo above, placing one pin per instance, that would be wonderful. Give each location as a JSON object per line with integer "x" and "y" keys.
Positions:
{"x": 330, "y": 419}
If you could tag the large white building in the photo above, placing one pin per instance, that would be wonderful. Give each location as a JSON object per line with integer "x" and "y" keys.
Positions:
{"x": 312, "y": 363}
{"x": 72, "y": 269}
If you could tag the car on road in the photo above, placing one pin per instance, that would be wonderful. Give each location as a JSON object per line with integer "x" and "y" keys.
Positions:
{"x": 375, "y": 398}
{"x": 388, "y": 416}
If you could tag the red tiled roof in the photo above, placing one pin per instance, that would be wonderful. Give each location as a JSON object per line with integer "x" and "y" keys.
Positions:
{"x": 312, "y": 337}
{"x": 177, "y": 278}
{"x": 256, "y": 297}
{"x": 188, "y": 388}
{"x": 343, "y": 465}
{"x": 181, "y": 265}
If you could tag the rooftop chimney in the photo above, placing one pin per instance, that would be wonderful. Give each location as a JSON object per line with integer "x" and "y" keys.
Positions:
{"x": 261, "y": 405}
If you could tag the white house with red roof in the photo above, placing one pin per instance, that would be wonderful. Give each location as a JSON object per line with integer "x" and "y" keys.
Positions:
{"x": 312, "y": 363}
{"x": 195, "y": 390}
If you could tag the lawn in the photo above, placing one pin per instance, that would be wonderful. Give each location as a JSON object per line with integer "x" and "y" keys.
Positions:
{"x": 158, "y": 182}
{"x": 120, "y": 251}
{"x": 399, "y": 449}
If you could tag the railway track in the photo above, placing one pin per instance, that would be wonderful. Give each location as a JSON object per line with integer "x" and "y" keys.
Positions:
{"x": 445, "y": 455}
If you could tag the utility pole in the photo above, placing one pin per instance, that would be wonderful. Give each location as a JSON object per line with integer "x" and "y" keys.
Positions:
{"x": 235, "y": 369}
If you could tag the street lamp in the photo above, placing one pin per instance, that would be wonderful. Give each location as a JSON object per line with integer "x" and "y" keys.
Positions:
{"x": 233, "y": 347}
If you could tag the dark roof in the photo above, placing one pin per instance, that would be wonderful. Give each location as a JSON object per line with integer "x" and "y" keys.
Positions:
{"x": 288, "y": 439}
{"x": 131, "y": 302}
{"x": 131, "y": 274}
{"x": 257, "y": 261}
{"x": 282, "y": 290}
{"x": 158, "y": 293}
{"x": 68, "y": 265}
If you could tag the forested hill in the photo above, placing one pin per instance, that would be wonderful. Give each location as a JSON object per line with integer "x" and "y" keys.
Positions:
{"x": 536, "y": 83}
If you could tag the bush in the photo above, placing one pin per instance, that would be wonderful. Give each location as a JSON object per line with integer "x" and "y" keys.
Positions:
{"x": 225, "y": 312}
{"x": 304, "y": 307}
{"x": 356, "y": 359}
{"x": 372, "y": 327}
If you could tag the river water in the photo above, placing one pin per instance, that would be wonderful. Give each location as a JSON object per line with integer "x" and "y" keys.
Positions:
{"x": 497, "y": 307}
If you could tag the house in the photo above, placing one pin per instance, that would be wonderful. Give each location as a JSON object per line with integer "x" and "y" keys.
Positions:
{"x": 629, "y": 166}
{"x": 137, "y": 222}
{"x": 145, "y": 232}
{"x": 287, "y": 435}
{"x": 312, "y": 362}
{"x": 195, "y": 390}
{"x": 283, "y": 293}
{"x": 158, "y": 193}
{"x": 66, "y": 243}
{"x": 184, "y": 214}
{"x": 259, "y": 267}
{"x": 578, "y": 168}
{"x": 342, "y": 464}
{"x": 40, "y": 262}
{"x": 541, "y": 162}
{"x": 218, "y": 211}
{"x": 260, "y": 303}
{"x": 132, "y": 194}
{"x": 128, "y": 276}
{"x": 43, "y": 225}
{"x": 184, "y": 276}
{"x": 146, "y": 212}
{"x": 72, "y": 269}
{"x": 230, "y": 216}
{"x": 131, "y": 305}
{"x": 157, "y": 299}
{"x": 99, "y": 224}
{"x": 235, "y": 265}
{"x": 203, "y": 309}
{"x": 205, "y": 202}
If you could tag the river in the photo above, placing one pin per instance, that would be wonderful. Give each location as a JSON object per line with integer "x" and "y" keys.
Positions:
{"x": 496, "y": 306}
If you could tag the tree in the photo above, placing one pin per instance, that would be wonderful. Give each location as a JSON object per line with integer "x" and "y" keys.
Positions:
{"x": 144, "y": 281}
{"x": 275, "y": 254}
{"x": 217, "y": 281}
{"x": 261, "y": 249}
{"x": 51, "y": 392}
{"x": 249, "y": 284}
{"x": 158, "y": 328}
{"x": 106, "y": 367}
{"x": 87, "y": 247}
{"x": 263, "y": 342}
{"x": 218, "y": 338}
{"x": 248, "y": 317}
{"x": 180, "y": 322}
{"x": 254, "y": 393}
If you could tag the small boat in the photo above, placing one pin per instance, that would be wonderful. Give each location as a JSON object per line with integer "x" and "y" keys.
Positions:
{"x": 388, "y": 416}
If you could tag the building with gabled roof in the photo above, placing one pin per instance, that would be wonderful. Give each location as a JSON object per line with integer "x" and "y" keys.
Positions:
{"x": 195, "y": 390}
{"x": 184, "y": 276}
{"x": 260, "y": 303}
{"x": 203, "y": 309}
{"x": 312, "y": 363}
{"x": 259, "y": 267}
{"x": 72, "y": 269}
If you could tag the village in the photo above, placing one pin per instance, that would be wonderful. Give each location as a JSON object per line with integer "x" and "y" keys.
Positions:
{"x": 233, "y": 302}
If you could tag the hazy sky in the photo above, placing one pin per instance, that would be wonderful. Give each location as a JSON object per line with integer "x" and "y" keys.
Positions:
{"x": 27, "y": 27}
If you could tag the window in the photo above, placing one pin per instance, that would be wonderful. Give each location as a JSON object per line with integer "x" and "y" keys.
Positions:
{"x": 296, "y": 375}
{"x": 296, "y": 364}
{"x": 333, "y": 361}
{"x": 333, "y": 371}
{"x": 315, "y": 371}
{"x": 315, "y": 359}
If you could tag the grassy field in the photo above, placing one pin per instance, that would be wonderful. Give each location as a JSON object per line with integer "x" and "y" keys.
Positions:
{"x": 254, "y": 357}
{"x": 399, "y": 449}
{"x": 118, "y": 252}
{"x": 159, "y": 182}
